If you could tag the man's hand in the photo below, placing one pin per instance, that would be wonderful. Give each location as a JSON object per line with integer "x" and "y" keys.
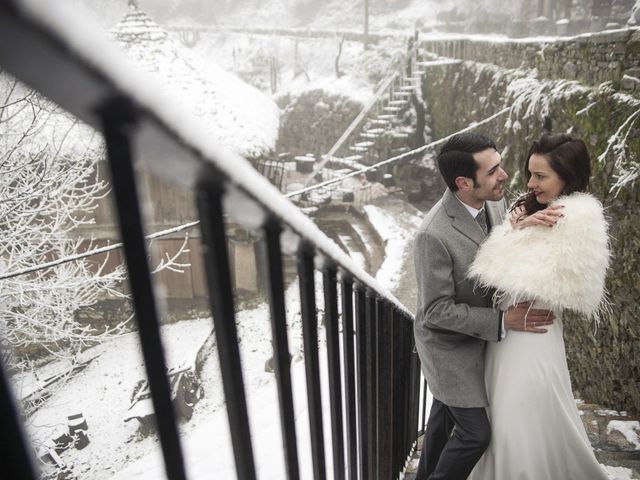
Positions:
{"x": 547, "y": 217}
{"x": 523, "y": 318}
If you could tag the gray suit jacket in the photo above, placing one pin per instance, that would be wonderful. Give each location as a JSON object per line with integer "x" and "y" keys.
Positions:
{"x": 453, "y": 320}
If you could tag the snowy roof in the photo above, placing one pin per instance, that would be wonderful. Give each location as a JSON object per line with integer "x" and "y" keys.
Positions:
{"x": 238, "y": 116}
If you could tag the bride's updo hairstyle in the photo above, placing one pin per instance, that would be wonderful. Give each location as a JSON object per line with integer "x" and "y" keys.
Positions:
{"x": 568, "y": 157}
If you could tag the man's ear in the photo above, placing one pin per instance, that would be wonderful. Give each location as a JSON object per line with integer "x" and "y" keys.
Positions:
{"x": 464, "y": 184}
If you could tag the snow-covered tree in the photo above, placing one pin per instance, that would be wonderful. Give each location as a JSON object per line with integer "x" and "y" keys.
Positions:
{"x": 48, "y": 187}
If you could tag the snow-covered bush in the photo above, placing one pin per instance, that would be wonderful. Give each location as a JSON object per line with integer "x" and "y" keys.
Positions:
{"x": 48, "y": 187}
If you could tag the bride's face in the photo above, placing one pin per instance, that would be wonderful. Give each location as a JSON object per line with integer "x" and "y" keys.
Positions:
{"x": 545, "y": 183}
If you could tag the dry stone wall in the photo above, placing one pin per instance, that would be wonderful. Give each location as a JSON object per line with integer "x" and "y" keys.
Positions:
{"x": 312, "y": 121}
{"x": 604, "y": 361}
{"x": 589, "y": 58}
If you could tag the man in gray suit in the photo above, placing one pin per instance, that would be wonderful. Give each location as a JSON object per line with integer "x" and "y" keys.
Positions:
{"x": 454, "y": 321}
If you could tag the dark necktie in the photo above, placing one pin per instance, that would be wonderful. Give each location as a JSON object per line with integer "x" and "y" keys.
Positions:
{"x": 481, "y": 218}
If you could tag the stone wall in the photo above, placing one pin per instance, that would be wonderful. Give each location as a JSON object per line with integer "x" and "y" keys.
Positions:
{"x": 604, "y": 362}
{"x": 589, "y": 58}
{"x": 312, "y": 121}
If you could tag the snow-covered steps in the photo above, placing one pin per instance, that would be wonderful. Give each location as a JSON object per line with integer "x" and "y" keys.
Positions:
{"x": 444, "y": 61}
{"x": 397, "y": 134}
{"x": 386, "y": 117}
{"x": 404, "y": 93}
{"x": 373, "y": 133}
{"x": 369, "y": 135}
{"x": 359, "y": 149}
{"x": 380, "y": 121}
{"x": 408, "y": 88}
{"x": 392, "y": 109}
{"x": 397, "y": 103}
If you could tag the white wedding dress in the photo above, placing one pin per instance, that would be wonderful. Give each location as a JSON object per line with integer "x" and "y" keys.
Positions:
{"x": 537, "y": 433}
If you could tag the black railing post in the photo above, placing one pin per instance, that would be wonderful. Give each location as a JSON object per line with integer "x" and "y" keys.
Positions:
{"x": 216, "y": 263}
{"x": 384, "y": 390}
{"x": 118, "y": 122}
{"x": 349, "y": 376}
{"x": 414, "y": 395}
{"x": 281, "y": 356}
{"x": 361, "y": 352}
{"x": 424, "y": 405}
{"x": 311, "y": 361}
{"x": 399, "y": 386}
{"x": 333, "y": 364}
{"x": 16, "y": 457}
{"x": 372, "y": 406}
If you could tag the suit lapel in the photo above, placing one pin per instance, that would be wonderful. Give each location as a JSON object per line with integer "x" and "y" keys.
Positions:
{"x": 461, "y": 219}
{"x": 495, "y": 212}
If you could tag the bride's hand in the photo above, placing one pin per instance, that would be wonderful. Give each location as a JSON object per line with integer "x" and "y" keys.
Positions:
{"x": 547, "y": 217}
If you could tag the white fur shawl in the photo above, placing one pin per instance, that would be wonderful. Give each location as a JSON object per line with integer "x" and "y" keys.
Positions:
{"x": 562, "y": 267}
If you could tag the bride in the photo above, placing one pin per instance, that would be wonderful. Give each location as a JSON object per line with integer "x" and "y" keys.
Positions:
{"x": 554, "y": 252}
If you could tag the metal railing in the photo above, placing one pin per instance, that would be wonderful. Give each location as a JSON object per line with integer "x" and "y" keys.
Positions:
{"x": 377, "y": 376}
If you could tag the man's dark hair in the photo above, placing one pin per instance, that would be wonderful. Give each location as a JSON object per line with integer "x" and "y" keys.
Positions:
{"x": 456, "y": 157}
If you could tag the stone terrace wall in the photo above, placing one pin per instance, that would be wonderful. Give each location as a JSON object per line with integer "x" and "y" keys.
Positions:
{"x": 604, "y": 362}
{"x": 589, "y": 58}
{"x": 312, "y": 121}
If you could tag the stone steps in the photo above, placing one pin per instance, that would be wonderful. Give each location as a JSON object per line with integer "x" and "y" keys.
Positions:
{"x": 369, "y": 135}
{"x": 359, "y": 149}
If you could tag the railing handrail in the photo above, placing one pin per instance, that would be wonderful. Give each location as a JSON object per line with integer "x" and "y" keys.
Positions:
{"x": 59, "y": 41}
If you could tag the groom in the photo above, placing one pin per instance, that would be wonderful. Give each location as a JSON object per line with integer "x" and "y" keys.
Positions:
{"x": 454, "y": 320}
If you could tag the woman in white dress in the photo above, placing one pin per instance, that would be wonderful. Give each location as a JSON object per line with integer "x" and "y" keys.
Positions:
{"x": 554, "y": 252}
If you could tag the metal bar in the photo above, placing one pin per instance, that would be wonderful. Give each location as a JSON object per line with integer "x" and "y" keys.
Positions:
{"x": 384, "y": 391}
{"x": 216, "y": 263}
{"x": 311, "y": 362}
{"x": 424, "y": 405}
{"x": 399, "y": 389}
{"x": 361, "y": 363}
{"x": 349, "y": 376}
{"x": 372, "y": 408}
{"x": 282, "y": 358}
{"x": 333, "y": 363}
{"x": 414, "y": 430}
{"x": 118, "y": 117}
{"x": 16, "y": 457}
{"x": 411, "y": 400}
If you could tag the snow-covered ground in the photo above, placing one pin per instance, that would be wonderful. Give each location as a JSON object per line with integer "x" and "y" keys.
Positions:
{"x": 102, "y": 392}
